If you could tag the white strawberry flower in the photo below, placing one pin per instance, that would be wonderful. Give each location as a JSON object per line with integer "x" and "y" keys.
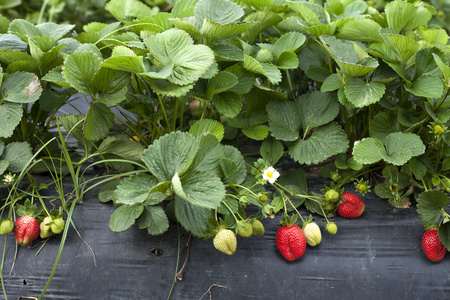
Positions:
{"x": 271, "y": 175}
{"x": 8, "y": 178}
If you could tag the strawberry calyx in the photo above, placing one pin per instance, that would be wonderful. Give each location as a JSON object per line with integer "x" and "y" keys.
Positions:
{"x": 28, "y": 209}
{"x": 288, "y": 221}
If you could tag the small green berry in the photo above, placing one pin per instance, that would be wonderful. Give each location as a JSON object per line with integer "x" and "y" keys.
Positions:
{"x": 6, "y": 227}
{"x": 244, "y": 228}
{"x": 258, "y": 228}
{"x": 331, "y": 228}
{"x": 331, "y": 196}
{"x": 438, "y": 130}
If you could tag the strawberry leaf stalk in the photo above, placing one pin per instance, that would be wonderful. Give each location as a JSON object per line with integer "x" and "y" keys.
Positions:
{"x": 26, "y": 228}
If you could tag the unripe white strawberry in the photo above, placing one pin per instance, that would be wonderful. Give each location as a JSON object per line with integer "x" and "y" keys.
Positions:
{"x": 225, "y": 241}
{"x": 45, "y": 228}
{"x": 312, "y": 233}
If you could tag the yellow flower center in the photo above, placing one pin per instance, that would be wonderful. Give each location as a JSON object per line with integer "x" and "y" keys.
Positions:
{"x": 270, "y": 174}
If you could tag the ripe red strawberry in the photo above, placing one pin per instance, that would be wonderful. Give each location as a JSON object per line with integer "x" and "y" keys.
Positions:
{"x": 26, "y": 227}
{"x": 432, "y": 245}
{"x": 290, "y": 239}
{"x": 352, "y": 206}
{"x": 26, "y": 230}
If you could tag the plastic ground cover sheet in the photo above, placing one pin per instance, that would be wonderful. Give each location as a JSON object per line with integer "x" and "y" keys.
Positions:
{"x": 377, "y": 256}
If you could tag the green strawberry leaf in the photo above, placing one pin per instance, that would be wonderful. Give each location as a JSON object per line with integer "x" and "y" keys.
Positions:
{"x": 80, "y": 69}
{"x": 429, "y": 206}
{"x": 124, "y": 59}
{"x": 382, "y": 125}
{"x": 263, "y": 19}
{"x": 106, "y": 192}
{"x": 4, "y": 164}
{"x": 170, "y": 154}
{"x": 99, "y": 119}
{"x": 361, "y": 93}
{"x": 228, "y": 103}
{"x": 165, "y": 87}
{"x": 229, "y": 170}
{"x": 221, "y": 82}
{"x": 21, "y": 87}
{"x": 12, "y": 42}
{"x": 213, "y": 31}
{"x": 124, "y": 148}
{"x": 351, "y": 58}
{"x": 361, "y": 29}
{"x": 154, "y": 219}
{"x": 193, "y": 218}
{"x": 257, "y": 132}
{"x": 400, "y": 148}
{"x": 199, "y": 188}
{"x": 233, "y": 153}
{"x": 403, "y": 16}
{"x": 111, "y": 85}
{"x": 207, "y": 126}
{"x": 284, "y": 120}
{"x": 11, "y": 114}
{"x": 125, "y": 9}
{"x": 326, "y": 141}
{"x": 271, "y": 150}
{"x": 270, "y": 71}
{"x": 137, "y": 189}
{"x": 208, "y": 155}
{"x": 190, "y": 61}
{"x": 418, "y": 167}
{"x": 331, "y": 83}
{"x": 219, "y": 11}
{"x": 426, "y": 86}
{"x": 290, "y": 41}
{"x": 444, "y": 234}
{"x": 316, "y": 109}
{"x": 124, "y": 217}
{"x": 19, "y": 155}
{"x": 403, "y": 47}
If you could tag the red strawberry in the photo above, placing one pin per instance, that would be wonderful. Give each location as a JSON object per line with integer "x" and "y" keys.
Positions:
{"x": 352, "y": 206}
{"x": 432, "y": 245}
{"x": 26, "y": 230}
{"x": 290, "y": 240}
{"x": 26, "y": 227}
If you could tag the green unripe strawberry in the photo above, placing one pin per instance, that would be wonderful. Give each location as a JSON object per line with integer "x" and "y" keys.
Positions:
{"x": 258, "y": 228}
{"x": 45, "y": 228}
{"x": 331, "y": 196}
{"x": 329, "y": 206}
{"x": 312, "y": 233}
{"x": 6, "y": 227}
{"x": 225, "y": 241}
{"x": 263, "y": 198}
{"x": 331, "y": 228}
{"x": 244, "y": 228}
{"x": 58, "y": 225}
{"x": 438, "y": 130}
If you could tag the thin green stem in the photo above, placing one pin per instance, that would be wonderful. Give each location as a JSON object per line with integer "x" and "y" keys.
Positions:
{"x": 178, "y": 262}
{"x": 234, "y": 216}
{"x": 1, "y": 268}
{"x": 42, "y": 11}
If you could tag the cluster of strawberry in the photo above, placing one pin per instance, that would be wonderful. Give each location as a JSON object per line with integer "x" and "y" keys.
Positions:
{"x": 291, "y": 240}
{"x": 27, "y": 228}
